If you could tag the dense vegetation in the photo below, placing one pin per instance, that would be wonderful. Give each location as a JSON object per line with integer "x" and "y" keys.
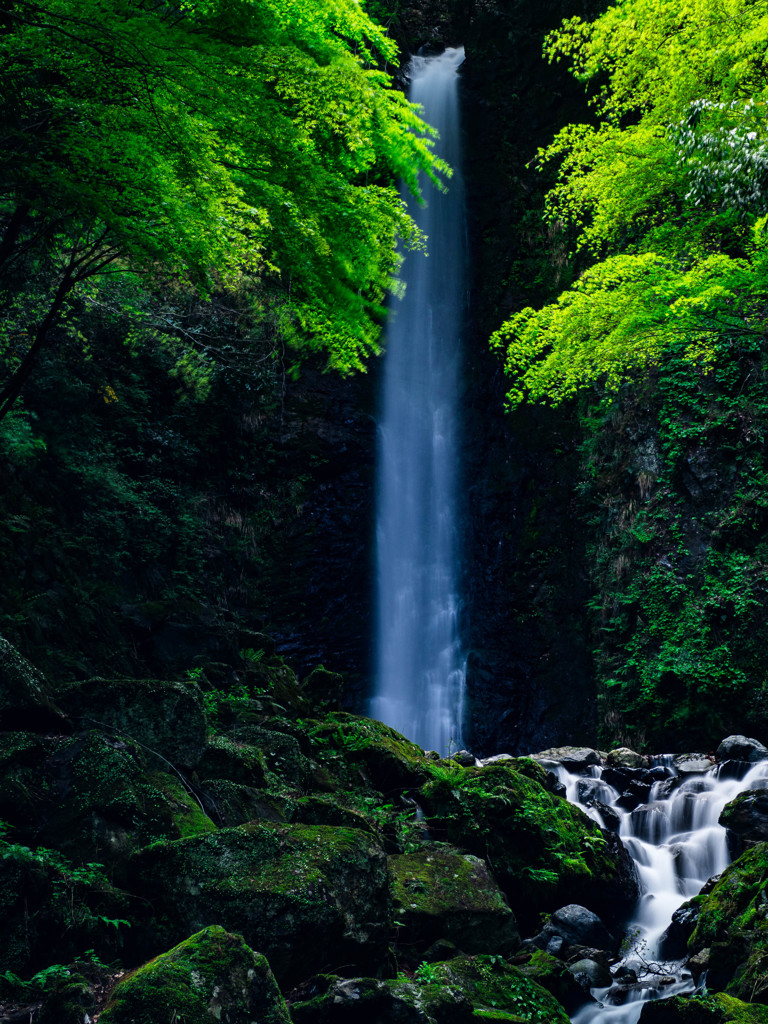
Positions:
{"x": 213, "y": 145}
{"x": 195, "y": 199}
{"x": 661, "y": 340}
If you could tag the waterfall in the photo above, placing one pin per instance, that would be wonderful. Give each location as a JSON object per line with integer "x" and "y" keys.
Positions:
{"x": 420, "y": 669}
{"x": 677, "y": 844}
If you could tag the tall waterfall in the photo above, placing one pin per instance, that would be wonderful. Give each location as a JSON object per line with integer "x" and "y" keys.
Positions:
{"x": 420, "y": 666}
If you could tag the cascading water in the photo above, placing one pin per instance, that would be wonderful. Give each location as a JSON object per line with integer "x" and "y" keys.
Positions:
{"x": 420, "y": 666}
{"x": 677, "y": 845}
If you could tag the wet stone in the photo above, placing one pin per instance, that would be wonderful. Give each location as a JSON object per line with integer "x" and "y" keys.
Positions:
{"x": 693, "y": 764}
{"x": 741, "y": 748}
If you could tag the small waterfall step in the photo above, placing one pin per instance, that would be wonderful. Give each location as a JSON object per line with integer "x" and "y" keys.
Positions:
{"x": 669, "y": 823}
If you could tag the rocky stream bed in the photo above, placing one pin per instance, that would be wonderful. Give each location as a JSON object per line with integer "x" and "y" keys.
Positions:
{"x": 173, "y": 853}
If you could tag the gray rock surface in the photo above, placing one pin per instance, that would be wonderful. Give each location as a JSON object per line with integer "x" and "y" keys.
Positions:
{"x": 741, "y": 748}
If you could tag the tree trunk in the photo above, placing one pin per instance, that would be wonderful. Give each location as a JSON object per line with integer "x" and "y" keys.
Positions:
{"x": 14, "y": 387}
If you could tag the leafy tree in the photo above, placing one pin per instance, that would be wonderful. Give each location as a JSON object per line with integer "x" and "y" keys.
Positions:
{"x": 666, "y": 193}
{"x": 204, "y": 141}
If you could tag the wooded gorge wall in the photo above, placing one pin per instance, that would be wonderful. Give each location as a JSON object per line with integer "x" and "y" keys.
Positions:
{"x": 613, "y": 555}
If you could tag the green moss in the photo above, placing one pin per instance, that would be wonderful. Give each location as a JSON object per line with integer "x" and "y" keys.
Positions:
{"x": 213, "y": 974}
{"x": 500, "y": 1015}
{"x": 491, "y": 984}
{"x": 545, "y": 852}
{"x": 227, "y": 758}
{"x": 709, "y": 1009}
{"x": 188, "y": 818}
{"x": 733, "y": 922}
{"x": 305, "y": 895}
{"x": 387, "y": 758}
{"x": 740, "y": 1012}
{"x": 442, "y": 893}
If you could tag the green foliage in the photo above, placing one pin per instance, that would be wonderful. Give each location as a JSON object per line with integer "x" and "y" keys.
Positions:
{"x": 677, "y": 501}
{"x": 665, "y": 192}
{"x": 18, "y": 440}
{"x": 221, "y": 143}
{"x": 426, "y": 974}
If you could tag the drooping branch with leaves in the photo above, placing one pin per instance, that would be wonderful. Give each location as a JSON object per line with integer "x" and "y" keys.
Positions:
{"x": 207, "y": 141}
{"x": 666, "y": 195}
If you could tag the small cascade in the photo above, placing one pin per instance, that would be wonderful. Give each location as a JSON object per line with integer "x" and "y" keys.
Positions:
{"x": 677, "y": 845}
{"x": 420, "y": 666}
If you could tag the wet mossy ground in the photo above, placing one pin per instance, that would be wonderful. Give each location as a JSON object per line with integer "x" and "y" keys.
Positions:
{"x": 332, "y": 846}
{"x": 300, "y": 832}
{"x": 733, "y": 926}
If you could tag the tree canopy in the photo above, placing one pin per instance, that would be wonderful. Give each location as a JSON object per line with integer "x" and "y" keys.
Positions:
{"x": 665, "y": 193}
{"x": 206, "y": 140}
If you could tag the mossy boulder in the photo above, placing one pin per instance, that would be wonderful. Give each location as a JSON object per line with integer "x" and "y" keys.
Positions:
{"x": 328, "y": 999}
{"x": 443, "y": 893}
{"x": 321, "y": 810}
{"x": 93, "y": 796}
{"x": 277, "y": 681}
{"x": 554, "y": 976}
{"x": 747, "y": 816}
{"x": 164, "y": 717}
{"x": 212, "y": 976}
{"x": 227, "y": 758}
{"x": 709, "y": 1009}
{"x": 733, "y": 925}
{"x": 281, "y": 752}
{"x": 309, "y": 897}
{"x": 323, "y": 689}
{"x": 492, "y": 986}
{"x": 26, "y": 699}
{"x": 388, "y": 760}
{"x": 545, "y": 852}
{"x": 465, "y": 990}
{"x": 232, "y": 803}
{"x": 71, "y": 1000}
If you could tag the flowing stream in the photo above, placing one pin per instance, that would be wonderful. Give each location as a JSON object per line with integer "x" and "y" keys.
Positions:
{"x": 677, "y": 845}
{"x": 420, "y": 670}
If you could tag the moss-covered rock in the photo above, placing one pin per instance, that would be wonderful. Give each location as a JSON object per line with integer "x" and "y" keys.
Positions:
{"x": 165, "y": 717}
{"x": 465, "y": 990}
{"x": 93, "y": 796}
{"x": 733, "y": 925}
{"x": 545, "y": 852}
{"x": 442, "y": 893}
{"x": 321, "y": 810}
{"x": 331, "y": 1000}
{"x": 70, "y": 1001}
{"x": 554, "y": 976}
{"x": 227, "y": 758}
{"x": 232, "y": 803}
{"x": 276, "y": 680}
{"x": 212, "y": 976}
{"x": 492, "y": 985}
{"x": 388, "y": 760}
{"x": 309, "y": 897}
{"x": 747, "y": 816}
{"x": 26, "y": 700}
{"x": 710, "y": 1009}
{"x": 281, "y": 752}
{"x": 323, "y": 689}
{"x": 731, "y": 932}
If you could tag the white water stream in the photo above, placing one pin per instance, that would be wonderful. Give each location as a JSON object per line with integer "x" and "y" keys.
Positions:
{"x": 420, "y": 670}
{"x": 677, "y": 845}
